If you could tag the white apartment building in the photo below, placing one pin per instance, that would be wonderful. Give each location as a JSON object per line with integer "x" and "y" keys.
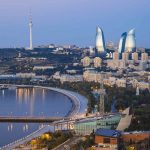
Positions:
{"x": 43, "y": 67}
{"x": 116, "y": 64}
{"x": 115, "y": 81}
{"x": 26, "y": 75}
{"x": 93, "y": 76}
{"x": 71, "y": 78}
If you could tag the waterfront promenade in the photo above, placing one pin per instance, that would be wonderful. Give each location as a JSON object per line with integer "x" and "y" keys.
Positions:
{"x": 79, "y": 107}
{"x": 27, "y": 138}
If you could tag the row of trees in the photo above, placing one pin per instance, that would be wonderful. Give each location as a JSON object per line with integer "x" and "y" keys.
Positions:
{"x": 50, "y": 140}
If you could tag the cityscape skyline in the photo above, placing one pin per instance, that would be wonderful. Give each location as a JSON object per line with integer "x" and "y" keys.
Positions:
{"x": 65, "y": 22}
{"x": 74, "y": 74}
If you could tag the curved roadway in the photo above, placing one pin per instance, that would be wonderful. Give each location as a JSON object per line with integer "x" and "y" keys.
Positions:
{"x": 79, "y": 108}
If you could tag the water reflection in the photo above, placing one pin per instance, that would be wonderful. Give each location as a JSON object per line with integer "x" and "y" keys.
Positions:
{"x": 23, "y": 127}
{"x": 29, "y": 102}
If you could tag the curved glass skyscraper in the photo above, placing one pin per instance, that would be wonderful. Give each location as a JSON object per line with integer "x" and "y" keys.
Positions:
{"x": 122, "y": 43}
{"x": 130, "y": 41}
{"x": 100, "y": 41}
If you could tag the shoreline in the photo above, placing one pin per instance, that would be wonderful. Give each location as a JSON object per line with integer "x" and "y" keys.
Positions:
{"x": 79, "y": 102}
{"x": 74, "y": 100}
{"x": 79, "y": 106}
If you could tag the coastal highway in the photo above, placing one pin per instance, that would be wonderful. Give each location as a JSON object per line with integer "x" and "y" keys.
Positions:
{"x": 78, "y": 110}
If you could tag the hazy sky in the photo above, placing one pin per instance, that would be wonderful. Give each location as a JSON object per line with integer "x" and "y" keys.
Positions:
{"x": 72, "y": 21}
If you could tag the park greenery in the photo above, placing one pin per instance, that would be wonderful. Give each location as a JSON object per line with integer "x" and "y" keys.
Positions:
{"x": 84, "y": 143}
{"x": 50, "y": 140}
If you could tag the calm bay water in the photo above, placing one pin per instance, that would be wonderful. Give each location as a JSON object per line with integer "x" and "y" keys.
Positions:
{"x": 29, "y": 102}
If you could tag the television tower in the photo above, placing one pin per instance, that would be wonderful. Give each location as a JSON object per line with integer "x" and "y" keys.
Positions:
{"x": 30, "y": 29}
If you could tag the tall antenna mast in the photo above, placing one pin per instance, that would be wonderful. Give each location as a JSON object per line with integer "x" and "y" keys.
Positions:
{"x": 30, "y": 29}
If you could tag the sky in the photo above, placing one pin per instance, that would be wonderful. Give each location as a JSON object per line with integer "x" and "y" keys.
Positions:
{"x": 72, "y": 21}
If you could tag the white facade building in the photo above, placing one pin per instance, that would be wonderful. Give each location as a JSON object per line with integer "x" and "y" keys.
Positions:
{"x": 25, "y": 75}
{"x": 86, "y": 61}
{"x": 130, "y": 45}
{"x": 97, "y": 62}
{"x": 100, "y": 41}
{"x": 71, "y": 78}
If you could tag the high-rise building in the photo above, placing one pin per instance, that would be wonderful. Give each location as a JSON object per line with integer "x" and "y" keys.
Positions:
{"x": 30, "y": 29}
{"x": 144, "y": 57}
{"x": 125, "y": 56}
{"x": 97, "y": 62}
{"x": 116, "y": 56}
{"x": 100, "y": 41}
{"x": 86, "y": 61}
{"x": 135, "y": 56}
{"x": 122, "y": 43}
{"x": 130, "y": 45}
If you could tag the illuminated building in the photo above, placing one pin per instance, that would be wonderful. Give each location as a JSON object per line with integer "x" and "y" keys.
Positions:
{"x": 130, "y": 45}
{"x": 100, "y": 41}
{"x": 122, "y": 43}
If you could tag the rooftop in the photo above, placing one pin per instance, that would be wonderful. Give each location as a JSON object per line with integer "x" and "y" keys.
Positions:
{"x": 108, "y": 133}
{"x": 100, "y": 118}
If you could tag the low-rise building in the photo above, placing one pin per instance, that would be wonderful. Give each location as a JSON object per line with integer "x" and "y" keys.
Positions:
{"x": 111, "y": 81}
{"x": 136, "y": 140}
{"x": 107, "y": 139}
{"x": 94, "y": 76}
{"x": 71, "y": 78}
{"x": 43, "y": 67}
{"x": 25, "y": 75}
{"x": 121, "y": 82}
{"x": 135, "y": 136}
{"x": 144, "y": 85}
{"x": 71, "y": 71}
{"x": 87, "y": 126}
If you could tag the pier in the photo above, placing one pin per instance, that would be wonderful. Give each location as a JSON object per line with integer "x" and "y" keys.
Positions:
{"x": 31, "y": 119}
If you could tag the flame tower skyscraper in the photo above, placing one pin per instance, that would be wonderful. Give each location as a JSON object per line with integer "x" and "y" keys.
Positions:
{"x": 100, "y": 41}
{"x": 130, "y": 41}
{"x": 122, "y": 43}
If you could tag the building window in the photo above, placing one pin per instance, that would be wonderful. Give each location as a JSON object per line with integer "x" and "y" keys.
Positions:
{"x": 106, "y": 140}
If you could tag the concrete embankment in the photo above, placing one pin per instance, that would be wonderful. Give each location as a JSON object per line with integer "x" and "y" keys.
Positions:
{"x": 79, "y": 108}
{"x": 79, "y": 102}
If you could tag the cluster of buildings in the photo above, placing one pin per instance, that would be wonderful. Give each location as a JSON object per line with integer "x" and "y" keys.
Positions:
{"x": 127, "y": 42}
{"x": 113, "y": 139}
{"x": 111, "y": 79}
{"x": 67, "y": 77}
{"x": 127, "y": 60}
{"x": 108, "y": 78}
{"x": 120, "y": 61}
{"x": 87, "y": 61}
{"x": 87, "y": 126}
{"x": 109, "y": 136}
